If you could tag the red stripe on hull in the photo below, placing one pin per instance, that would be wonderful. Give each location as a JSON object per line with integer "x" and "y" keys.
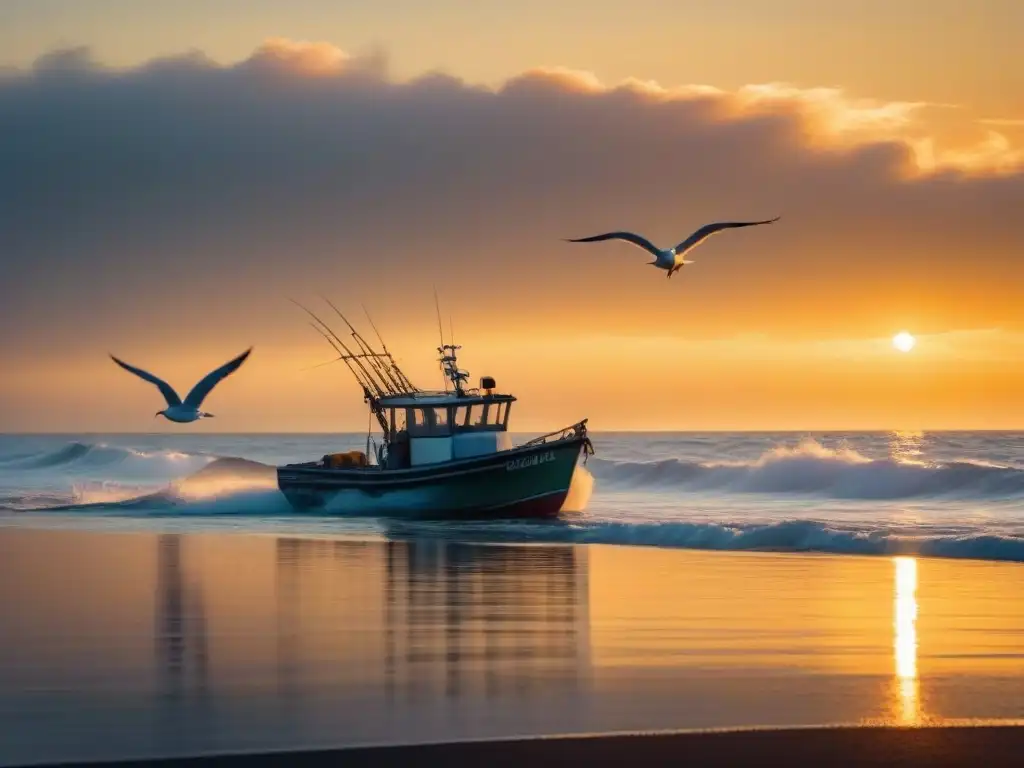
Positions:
{"x": 542, "y": 506}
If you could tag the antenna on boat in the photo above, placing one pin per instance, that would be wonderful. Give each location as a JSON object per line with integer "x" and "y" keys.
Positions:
{"x": 449, "y": 354}
{"x": 440, "y": 331}
{"x": 321, "y": 365}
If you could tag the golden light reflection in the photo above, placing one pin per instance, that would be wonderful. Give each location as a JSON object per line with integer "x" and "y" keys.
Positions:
{"x": 905, "y": 640}
{"x": 905, "y": 446}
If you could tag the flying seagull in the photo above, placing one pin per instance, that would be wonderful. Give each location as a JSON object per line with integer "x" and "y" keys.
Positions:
{"x": 671, "y": 259}
{"x": 184, "y": 412}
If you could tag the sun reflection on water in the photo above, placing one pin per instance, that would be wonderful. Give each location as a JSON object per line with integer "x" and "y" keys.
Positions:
{"x": 907, "y": 447}
{"x": 905, "y": 640}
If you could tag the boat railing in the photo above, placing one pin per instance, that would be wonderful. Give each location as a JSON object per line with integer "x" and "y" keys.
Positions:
{"x": 579, "y": 429}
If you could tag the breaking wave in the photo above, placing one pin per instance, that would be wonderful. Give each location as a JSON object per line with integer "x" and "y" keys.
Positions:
{"x": 104, "y": 478}
{"x": 811, "y": 468}
{"x": 84, "y": 457}
{"x": 961, "y": 508}
{"x": 224, "y": 486}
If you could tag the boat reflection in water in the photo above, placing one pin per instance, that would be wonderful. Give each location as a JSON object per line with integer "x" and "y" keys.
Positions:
{"x": 180, "y": 632}
{"x": 344, "y": 641}
{"x": 437, "y": 618}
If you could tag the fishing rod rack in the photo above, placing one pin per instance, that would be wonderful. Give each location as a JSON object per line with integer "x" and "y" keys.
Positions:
{"x": 376, "y": 372}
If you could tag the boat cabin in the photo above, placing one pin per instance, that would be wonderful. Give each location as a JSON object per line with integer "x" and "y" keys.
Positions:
{"x": 429, "y": 428}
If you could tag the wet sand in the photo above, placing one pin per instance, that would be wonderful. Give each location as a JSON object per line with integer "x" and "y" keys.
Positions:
{"x": 118, "y": 645}
{"x": 866, "y": 747}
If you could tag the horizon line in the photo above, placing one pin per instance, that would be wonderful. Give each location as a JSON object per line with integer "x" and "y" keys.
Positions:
{"x": 859, "y": 430}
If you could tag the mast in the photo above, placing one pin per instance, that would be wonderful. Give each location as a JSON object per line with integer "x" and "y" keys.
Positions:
{"x": 450, "y": 366}
{"x": 440, "y": 333}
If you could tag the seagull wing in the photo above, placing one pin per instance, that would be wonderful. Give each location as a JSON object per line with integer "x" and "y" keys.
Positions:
{"x": 709, "y": 229}
{"x": 199, "y": 392}
{"x": 165, "y": 389}
{"x": 629, "y": 237}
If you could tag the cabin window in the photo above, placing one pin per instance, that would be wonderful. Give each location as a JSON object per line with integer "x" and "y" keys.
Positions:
{"x": 397, "y": 420}
{"x": 497, "y": 414}
{"x": 428, "y": 422}
{"x": 485, "y": 416}
{"x": 437, "y": 417}
{"x": 480, "y": 415}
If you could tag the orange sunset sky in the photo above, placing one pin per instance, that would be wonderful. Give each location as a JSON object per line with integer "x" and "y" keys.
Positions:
{"x": 170, "y": 175}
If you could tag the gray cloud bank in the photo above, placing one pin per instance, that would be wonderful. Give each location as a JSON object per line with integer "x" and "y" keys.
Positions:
{"x": 184, "y": 191}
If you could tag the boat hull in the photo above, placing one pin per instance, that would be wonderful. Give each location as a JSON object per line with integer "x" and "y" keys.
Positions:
{"x": 528, "y": 481}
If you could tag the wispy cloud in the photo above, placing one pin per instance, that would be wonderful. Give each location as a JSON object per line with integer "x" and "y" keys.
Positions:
{"x": 1003, "y": 121}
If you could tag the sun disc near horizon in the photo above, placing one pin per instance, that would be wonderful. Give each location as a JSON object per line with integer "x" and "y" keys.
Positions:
{"x": 903, "y": 341}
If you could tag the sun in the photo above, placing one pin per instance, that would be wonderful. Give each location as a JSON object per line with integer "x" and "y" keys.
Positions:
{"x": 903, "y": 341}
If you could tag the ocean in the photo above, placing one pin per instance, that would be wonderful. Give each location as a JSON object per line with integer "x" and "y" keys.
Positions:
{"x": 161, "y": 598}
{"x": 938, "y": 494}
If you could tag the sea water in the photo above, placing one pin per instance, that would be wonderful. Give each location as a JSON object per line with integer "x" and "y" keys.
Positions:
{"x": 946, "y": 494}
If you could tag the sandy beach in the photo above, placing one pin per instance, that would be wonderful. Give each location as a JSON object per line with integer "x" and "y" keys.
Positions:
{"x": 146, "y": 645}
{"x": 865, "y": 747}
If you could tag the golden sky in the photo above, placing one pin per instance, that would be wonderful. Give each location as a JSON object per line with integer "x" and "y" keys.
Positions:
{"x": 167, "y": 189}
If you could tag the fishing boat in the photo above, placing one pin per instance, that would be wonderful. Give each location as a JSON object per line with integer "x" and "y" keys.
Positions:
{"x": 446, "y": 452}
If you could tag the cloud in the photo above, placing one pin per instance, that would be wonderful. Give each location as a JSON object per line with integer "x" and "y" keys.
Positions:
{"x": 832, "y": 118}
{"x": 1003, "y": 121}
{"x": 186, "y": 199}
{"x": 300, "y": 57}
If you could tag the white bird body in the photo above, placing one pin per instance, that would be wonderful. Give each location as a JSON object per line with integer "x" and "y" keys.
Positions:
{"x": 671, "y": 259}
{"x": 177, "y": 410}
{"x": 183, "y": 414}
{"x": 666, "y": 258}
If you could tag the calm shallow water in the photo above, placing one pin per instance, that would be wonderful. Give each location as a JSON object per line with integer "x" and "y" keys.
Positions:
{"x": 131, "y": 644}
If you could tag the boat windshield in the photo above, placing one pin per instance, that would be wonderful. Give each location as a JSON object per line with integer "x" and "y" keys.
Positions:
{"x": 431, "y": 422}
{"x": 482, "y": 416}
{"x": 441, "y": 421}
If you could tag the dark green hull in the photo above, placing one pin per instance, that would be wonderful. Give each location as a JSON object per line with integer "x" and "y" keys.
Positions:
{"x": 528, "y": 481}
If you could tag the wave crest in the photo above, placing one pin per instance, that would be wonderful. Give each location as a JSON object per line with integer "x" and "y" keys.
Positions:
{"x": 88, "y": 456}
{"x": 811, "y": 468}
{"x": 226, "y": 480}
{"x": 786, "y": 536}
